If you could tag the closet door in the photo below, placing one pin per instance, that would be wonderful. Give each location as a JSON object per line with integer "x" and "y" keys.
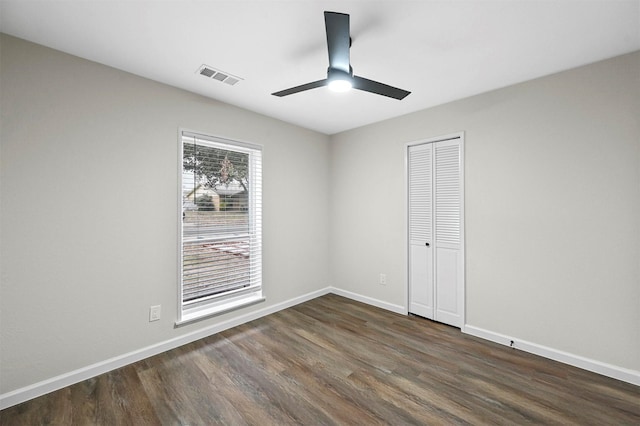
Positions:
{"x": 448, "y": 227}
{"x": 436, "y": 231}
{"x": 420, "y": 191}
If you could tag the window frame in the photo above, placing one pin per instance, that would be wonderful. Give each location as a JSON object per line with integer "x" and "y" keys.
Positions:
{"x": 238, "y": 298}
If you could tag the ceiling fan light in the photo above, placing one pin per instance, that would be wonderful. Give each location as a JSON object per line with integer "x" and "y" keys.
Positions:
{"x": 340, "y": 85}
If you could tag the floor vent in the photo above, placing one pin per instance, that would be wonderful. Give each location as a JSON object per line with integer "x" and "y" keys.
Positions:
{"x": 218, "y": 75}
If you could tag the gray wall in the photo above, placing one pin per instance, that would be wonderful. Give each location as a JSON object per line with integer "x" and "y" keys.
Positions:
{"x": 552, "y": 179}
{"x": 89, "y": 175}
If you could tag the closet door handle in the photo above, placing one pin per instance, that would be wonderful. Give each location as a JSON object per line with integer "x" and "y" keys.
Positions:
{"x": 427, "y": 244}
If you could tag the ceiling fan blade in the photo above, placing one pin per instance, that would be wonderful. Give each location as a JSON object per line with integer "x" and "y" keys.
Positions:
{"x": 367, "y": 85}
{"x": 338, "y": 40}
{"x": 301, "y": 88}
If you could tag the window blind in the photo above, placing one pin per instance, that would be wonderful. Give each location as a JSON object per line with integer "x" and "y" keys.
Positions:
{"x": 221, "y": 228}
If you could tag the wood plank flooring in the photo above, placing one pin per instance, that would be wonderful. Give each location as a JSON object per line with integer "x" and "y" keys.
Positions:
{"x": 334, "y": 361}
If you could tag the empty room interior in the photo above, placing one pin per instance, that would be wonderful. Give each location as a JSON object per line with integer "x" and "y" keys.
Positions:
{"x": 195, "y": 228}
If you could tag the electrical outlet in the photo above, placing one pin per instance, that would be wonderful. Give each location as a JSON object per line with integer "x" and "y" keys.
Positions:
{"x": 154, "y": 313}
{"x": 383, "y": 279}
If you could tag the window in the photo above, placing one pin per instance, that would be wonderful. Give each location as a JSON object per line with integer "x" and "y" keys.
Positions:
{"x": 221, "y": 225}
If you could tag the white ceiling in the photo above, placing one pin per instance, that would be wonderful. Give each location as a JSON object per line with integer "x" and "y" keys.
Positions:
{"x": 439, "y": 50}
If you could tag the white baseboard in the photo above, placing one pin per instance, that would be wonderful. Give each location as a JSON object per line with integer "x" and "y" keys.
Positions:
{"x": 402, "y": 310}
{"x": 37, "y": 389}
{"x": 619, "y": 373}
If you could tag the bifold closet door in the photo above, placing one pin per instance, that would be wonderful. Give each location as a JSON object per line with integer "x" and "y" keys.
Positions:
{"x": 448, "y": 226}
{"x": 436, "y": 279}
{"x": 420, "y": 192}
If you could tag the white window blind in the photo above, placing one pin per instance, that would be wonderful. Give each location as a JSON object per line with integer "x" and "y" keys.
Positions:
{"x": 221, "y": 227}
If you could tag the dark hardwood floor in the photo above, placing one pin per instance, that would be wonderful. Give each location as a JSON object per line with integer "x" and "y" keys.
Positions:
{"x": 336, "y": 361}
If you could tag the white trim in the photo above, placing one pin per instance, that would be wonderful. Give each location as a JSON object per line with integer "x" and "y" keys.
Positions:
{"x": 451, "y": 136}
{"x": 398, "y": 309}
{"x": 463, "y": 232}
{"x": 405, "y": 225}
{"x": 38, "y": 389}
{"x": 220, "y": 307}
{"x": 609, "y": 370}
{"x": 179, "y": 224}
{"x": 216, "y": 139}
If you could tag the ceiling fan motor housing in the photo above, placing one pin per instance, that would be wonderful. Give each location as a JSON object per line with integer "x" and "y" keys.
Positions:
{"x": 338, "y": 74}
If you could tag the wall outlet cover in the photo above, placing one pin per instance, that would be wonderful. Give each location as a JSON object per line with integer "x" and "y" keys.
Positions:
{"x": 154, "y": 313}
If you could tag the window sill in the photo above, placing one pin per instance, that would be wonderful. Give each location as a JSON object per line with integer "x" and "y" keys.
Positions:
{"x": 196, "y": 314}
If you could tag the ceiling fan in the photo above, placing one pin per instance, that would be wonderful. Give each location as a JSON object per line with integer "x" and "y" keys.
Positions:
{"x": 340, "y": 73}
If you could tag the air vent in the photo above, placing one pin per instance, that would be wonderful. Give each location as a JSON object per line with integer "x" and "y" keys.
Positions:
{"x": 220, "y": 77}
{"x": 207, "y": 72}
{"x": 216, "y": 74}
